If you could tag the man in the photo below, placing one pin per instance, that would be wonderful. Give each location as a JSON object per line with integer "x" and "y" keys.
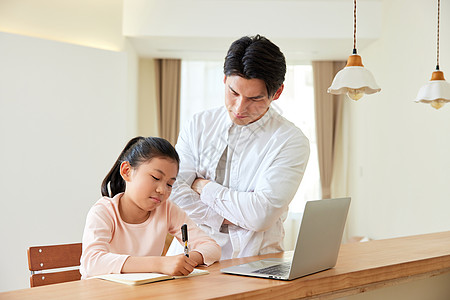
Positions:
{"x": 241, "y": 164}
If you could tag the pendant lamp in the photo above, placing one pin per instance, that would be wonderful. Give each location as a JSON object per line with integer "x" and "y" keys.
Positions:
{"x": 437, "y": 91}
{"x": 354, "y": 80}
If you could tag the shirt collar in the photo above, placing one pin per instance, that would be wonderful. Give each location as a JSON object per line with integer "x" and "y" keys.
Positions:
{"x": 262, "y": 121}
{"x": 255, "y": 125}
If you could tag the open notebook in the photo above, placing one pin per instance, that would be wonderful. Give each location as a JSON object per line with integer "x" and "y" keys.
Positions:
{"x": 142, "y": 278}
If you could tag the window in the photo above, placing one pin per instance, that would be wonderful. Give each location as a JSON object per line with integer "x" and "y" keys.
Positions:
{"x": 202, "y": 88}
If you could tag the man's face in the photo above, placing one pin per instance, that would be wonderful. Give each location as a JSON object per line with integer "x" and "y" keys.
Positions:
{"x": 246, "y": 99}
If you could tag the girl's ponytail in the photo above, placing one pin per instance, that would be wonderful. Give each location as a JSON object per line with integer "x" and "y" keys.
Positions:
{"x": 114, "y": 179}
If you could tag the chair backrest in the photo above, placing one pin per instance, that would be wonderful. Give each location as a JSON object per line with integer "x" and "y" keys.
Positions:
{"x": 167, "y": 243}
{"x": 42, "y": 258}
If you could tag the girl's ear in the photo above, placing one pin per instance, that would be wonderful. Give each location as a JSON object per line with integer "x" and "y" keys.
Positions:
{"x": 125, "y": 171}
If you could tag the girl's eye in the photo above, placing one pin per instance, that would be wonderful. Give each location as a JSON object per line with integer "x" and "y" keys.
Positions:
{"x": 169, "y": 185}
{"x": 155, "y": 178}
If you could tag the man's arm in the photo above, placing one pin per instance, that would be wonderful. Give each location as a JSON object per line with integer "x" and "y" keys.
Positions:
{"x": 260, "y": 209}
{"x": 182, "y": 194}
{"x": 198, "y": 185}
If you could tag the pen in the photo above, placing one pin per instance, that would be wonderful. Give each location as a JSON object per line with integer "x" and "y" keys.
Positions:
{"x": 184, "y": 236}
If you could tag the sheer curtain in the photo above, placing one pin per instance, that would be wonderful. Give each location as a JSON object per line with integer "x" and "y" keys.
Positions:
{"x": 202, "y": 88}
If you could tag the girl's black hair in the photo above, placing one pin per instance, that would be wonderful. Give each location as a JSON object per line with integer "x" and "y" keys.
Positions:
{"x": 137, "y": 151}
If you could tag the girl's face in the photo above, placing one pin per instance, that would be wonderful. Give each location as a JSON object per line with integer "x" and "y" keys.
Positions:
{"x": 150, "y": 184}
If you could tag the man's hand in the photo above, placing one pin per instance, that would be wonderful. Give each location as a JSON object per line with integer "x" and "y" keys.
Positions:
{"x": 199, "y": 184}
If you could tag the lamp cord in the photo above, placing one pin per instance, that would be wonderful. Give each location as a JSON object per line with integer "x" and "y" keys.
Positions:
{"x": 354, "y": 28}
{"x": 437, "y": 46}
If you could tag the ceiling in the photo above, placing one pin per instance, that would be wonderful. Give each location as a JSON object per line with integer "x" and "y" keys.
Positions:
{"x": 204, "y": 29}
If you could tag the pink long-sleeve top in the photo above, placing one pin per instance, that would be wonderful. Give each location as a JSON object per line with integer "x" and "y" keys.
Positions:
{"x": 108, "y": 241}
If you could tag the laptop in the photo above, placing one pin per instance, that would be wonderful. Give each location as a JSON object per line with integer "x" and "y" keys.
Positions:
{"x": 317, "y": 247}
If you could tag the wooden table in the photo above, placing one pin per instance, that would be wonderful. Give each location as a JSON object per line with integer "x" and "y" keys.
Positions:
{"x": 360, "y": 267}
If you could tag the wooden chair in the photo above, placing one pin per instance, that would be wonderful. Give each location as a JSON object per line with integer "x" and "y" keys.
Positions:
{"x": 167, "y": 243}
{"x": 53, "y": 257}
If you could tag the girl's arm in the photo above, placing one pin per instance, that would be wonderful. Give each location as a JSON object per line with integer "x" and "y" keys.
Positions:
{"x": 178, "y": 265}
{"x": 208, "y": 251}
{"x": 96, "y": 258}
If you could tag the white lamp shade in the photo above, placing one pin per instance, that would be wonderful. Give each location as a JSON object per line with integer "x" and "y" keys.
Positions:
{"x": 434, "y": 90}
{"x": 353, "y": 77}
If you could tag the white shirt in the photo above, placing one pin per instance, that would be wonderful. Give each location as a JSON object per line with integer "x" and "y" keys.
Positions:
{"x": 268, "y": 160}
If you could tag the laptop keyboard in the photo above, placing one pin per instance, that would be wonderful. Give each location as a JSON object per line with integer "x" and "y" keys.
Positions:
{"x": 280, "y": 270}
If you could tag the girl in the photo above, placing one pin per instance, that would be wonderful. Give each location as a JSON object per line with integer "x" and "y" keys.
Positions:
{"x": 126, "y": 229}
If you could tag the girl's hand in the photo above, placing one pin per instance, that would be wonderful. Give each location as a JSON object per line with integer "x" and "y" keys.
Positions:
{"x": 178, "y": 265}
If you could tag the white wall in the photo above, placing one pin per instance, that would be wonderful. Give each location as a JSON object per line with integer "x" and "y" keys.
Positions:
{"x": 399, "y": 150}
{"x": 66, "y": 112}
{"x": 96, "y": 24}
{"x": 62, "y": 125}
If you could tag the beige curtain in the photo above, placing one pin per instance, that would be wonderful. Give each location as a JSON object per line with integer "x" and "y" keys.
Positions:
{"x": 328, "y": 109}
{"x": 339, "y": 179}
{"x": 168, "y": 78}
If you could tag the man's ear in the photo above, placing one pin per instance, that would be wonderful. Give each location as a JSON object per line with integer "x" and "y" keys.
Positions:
{"x": 225, "y": 79}
{"x": 125, "y": 171}
{"x": 278, "y": 92}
